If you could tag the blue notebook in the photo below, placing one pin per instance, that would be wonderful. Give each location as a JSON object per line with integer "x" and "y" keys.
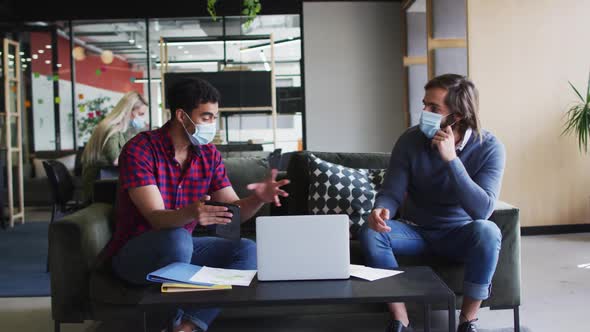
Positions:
{"x": 176, "y": 273}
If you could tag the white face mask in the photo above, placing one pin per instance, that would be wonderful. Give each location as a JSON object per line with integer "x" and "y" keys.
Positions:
{"x": 137, "y": 123}
{"x": 204, "y": 133}
{"x": 430, "y": 123}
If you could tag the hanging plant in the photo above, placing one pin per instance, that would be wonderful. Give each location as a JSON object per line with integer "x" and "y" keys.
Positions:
{"x": 250, "y": 9}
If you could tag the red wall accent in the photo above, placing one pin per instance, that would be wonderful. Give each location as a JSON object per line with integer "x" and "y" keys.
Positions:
{"x": 115, "y": 76}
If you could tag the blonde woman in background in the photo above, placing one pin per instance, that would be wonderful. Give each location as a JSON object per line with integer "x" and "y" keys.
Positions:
{"x": 109, "y": 137}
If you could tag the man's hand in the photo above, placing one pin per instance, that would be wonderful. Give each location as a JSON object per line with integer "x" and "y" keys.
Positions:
{"x": 444, "y": 140}
{"x": 377, "y": 220}
{"x": 269, "y": 190}
{"x": 209, "y": 214}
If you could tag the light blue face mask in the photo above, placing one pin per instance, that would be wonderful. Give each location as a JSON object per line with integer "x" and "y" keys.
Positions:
{"x": 204, "y": 133}
{"x": 430, "y": 123}
{"x": 137, "y": 123}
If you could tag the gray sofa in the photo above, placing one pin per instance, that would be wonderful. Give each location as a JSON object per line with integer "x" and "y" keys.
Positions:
{"x": 81, "y": 290}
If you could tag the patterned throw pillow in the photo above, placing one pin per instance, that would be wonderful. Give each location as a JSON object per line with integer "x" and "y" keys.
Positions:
{"x": 336, "y": 189}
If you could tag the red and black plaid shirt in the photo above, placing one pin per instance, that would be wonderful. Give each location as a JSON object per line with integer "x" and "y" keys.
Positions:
{"x": 148, "y": 159}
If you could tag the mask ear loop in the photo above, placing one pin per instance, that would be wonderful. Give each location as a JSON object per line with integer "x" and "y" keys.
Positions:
{"x": 191, "y": 121}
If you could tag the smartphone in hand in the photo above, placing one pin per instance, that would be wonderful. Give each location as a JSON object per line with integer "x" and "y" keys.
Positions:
{"x": 230, "y": 231}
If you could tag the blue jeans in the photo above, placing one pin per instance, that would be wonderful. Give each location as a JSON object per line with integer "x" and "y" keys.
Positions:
{"x": 153, "y": 250}
{"x": 476, "y": 244}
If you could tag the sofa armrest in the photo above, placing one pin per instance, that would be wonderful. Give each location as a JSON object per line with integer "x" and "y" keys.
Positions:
{"x": 506, "y": 280}
{"x": 74, "y": 243}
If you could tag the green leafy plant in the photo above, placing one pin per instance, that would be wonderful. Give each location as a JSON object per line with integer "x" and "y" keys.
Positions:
{"x": 91, "y": 113}
{"x": 578, "y": 118}
{"x": 251, "y": 8}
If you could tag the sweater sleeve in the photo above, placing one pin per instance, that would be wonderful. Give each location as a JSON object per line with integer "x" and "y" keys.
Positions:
{"x": 478, "y": 194}
{"x": 396, "y": 179}
{"x": 113, "y": 146}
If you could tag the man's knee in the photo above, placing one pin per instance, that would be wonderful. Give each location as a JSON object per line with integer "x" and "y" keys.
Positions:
{"x": 177, "y": 245}
{"x": 247, "y": 244}
{"x": 366, "y": 234}
{"x": 487, "y": 233}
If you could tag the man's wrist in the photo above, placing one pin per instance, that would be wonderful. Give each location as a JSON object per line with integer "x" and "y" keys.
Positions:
{"x": 451, "y": 159}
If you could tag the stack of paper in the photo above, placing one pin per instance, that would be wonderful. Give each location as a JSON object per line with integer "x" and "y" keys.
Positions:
{"x": 371, "y": 274}
{"x": 183, "y": 277}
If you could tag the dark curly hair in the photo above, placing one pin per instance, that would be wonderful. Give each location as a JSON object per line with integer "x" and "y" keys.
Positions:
{"x": 187, "y": 94}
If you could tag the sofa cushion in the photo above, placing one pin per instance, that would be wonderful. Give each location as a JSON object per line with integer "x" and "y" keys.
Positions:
{"x": 298, "y": 173}
{"x": 68, "y": 161}
{"x": 336, "y": 189}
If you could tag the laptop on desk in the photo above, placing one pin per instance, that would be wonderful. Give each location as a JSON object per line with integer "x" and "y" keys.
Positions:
{"x": 310, "y": 247}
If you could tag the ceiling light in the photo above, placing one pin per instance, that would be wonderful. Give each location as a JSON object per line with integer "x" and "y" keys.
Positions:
{"x": 48, "y": 46}
{"x": 41, "y": 51}
{"x": 10, "y": 56}
{"x": 35, "y": 56}
{"x": 180, "y": 47}
{"x": 107, "y": 57}
{"x": 185, "y": 52}
{"x": 22, "y": 53}
{"x": 138, "y": 46}
{"x": 131, "y": 41}
{"x": 29, "y": 59}
{"x": 47, "y": 61}
{"x": 185, "y": 43}
{"x": 188, "y": 63}
{"x": 267, "y": 45}
{"x": 78, "y": 53}
{"x": 59, "y": 65}
{"x": 144, "y": 80}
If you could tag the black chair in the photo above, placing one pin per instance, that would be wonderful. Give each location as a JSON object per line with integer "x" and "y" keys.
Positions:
{"x": 285, "y": 158}
{"x": 274, "y": 159}
{"x": 108, "y": 172}
{"x": 62, "y": 191}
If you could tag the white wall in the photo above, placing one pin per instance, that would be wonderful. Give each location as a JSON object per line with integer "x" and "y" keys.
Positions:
{"x": 43, "y": 112}
{"x": 521, "y": 56}
{"x": 353, "y": 76}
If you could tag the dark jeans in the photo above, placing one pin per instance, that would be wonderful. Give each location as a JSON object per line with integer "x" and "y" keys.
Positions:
{"x": 153, "y": 250}
{"x": 476, "y": 244}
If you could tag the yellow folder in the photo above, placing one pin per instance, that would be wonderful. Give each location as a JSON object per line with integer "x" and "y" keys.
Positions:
{"x": 169, "y": 287}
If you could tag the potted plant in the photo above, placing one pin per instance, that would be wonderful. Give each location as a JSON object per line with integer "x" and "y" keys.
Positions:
{"x": 578, "y": 118}
{"x": 251, "y": 8}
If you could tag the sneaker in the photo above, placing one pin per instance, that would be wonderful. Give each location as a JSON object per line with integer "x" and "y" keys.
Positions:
{"x": 468, "y": 326}
{"x": 397, "y": 326}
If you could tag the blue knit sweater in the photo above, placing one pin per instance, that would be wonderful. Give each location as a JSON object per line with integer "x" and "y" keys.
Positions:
{"x": 442, "y": 193}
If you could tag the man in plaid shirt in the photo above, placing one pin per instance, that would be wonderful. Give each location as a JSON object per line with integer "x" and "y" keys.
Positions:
{"x": 166, "y": 175}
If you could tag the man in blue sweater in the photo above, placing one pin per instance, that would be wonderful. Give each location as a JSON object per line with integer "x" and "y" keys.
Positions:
{"x": 447, "y": 173}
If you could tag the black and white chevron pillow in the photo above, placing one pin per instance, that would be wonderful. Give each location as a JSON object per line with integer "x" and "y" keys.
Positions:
{"x": 336, "y": 189}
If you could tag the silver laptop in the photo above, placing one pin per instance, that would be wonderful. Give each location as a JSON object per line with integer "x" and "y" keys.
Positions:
{"x": 306, "y": 247}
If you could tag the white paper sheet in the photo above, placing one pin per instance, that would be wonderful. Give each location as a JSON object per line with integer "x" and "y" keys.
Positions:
{"x": 371, "y": 274}
{"x": 211, "y": 275}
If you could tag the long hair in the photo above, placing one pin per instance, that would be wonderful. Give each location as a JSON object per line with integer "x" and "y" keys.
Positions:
{"x": 462, "y": 98}
{"x": 116, "y": 121}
